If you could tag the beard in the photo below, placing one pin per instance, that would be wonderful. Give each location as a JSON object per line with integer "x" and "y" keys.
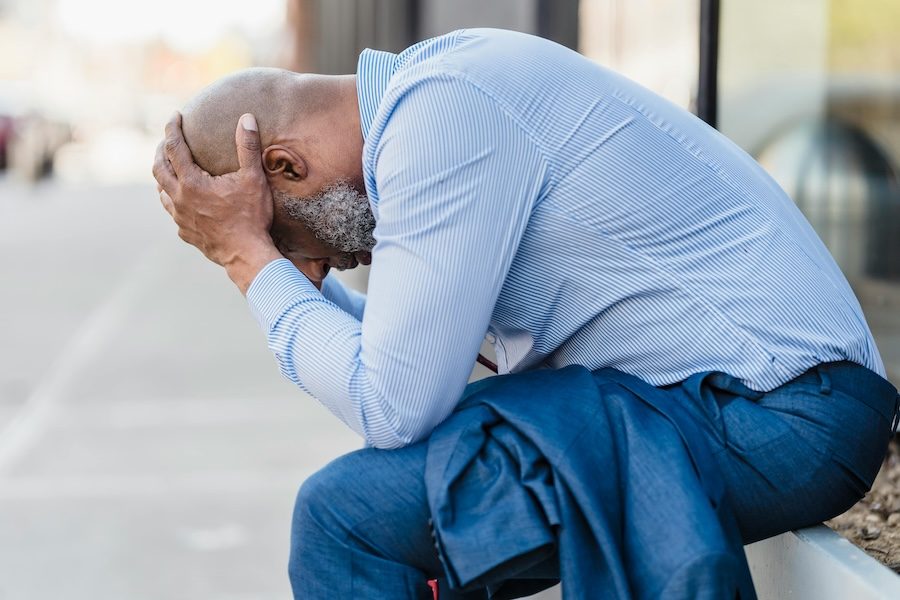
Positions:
{"x": 338, "y": 216}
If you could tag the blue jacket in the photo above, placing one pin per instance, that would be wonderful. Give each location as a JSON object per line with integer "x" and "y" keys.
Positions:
{"x": 600, "y": 469}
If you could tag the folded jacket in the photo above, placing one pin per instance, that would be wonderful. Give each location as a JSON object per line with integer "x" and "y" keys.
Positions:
{"x": 600, "y": 469}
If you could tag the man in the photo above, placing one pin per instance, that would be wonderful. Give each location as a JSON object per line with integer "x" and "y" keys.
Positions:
{"x": 519, "y": 192}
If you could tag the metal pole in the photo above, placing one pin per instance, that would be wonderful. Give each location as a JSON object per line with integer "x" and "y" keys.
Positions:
{"x": 708, "y": 84}
{"x": 557, "y": 20}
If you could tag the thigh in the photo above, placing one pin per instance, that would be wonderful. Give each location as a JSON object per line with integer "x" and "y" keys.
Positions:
{"x": 795, "y": 456}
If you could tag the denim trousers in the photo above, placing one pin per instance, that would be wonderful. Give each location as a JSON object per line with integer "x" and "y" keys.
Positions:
{"x": 791, "y": 457}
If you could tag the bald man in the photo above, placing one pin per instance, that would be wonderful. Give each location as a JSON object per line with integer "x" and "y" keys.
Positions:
{"x": 505, "y": 187}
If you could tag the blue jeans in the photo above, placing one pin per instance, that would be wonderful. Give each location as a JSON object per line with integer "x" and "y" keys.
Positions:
{"x": 792, "y": 457}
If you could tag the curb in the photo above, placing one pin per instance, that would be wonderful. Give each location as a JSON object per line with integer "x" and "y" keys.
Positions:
{"x": 817, "y": 563}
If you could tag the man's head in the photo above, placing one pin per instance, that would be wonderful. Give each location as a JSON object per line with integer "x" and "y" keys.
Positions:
{"x": 311, "y": 152}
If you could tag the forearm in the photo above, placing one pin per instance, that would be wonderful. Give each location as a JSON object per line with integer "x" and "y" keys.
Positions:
{"x": 243, "y": 267}
{"x": 318, "y": 347}
{"x": 449, "y": 223}
{"x": 392, "y": 391}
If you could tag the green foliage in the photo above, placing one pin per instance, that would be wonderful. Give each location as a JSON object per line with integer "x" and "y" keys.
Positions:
{"x": 864, "y": 35}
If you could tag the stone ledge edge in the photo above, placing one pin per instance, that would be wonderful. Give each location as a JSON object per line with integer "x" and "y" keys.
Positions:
{"x": 817, "y": 563}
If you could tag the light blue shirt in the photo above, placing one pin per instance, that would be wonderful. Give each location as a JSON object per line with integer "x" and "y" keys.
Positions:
{"x": 522, "y": 192}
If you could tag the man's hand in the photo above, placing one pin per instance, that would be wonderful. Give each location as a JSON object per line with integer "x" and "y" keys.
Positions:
{"x": 226, "y": 217}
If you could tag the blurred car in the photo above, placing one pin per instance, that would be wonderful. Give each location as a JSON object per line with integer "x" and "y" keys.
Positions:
{"x": 6, "y": 133}
{"x": 34, "y": 144}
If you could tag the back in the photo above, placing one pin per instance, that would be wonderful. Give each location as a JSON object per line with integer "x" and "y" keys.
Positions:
{"x": 655, "y": 245}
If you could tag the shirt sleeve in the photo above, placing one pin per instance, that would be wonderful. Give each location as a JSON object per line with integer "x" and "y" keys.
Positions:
{"x": 456, "y": 179}
{"x": 348, "y": 299}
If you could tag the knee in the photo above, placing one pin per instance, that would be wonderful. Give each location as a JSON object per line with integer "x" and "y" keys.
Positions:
{"x": 320, "y": 498}
{"x": 317, "y": 527}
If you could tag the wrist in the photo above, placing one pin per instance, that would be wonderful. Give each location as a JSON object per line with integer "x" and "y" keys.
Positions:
{"x": 245, "y": 264}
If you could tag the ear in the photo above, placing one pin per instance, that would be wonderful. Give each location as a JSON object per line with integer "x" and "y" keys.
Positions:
{"x": 281, "y": 161}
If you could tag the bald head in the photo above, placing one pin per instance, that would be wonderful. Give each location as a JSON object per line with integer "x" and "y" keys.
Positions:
{"x": 277, "y": 98}
{"x": 311, "y": 144}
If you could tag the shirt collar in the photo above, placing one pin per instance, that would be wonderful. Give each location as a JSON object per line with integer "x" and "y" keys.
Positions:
{"x": 373, "y": 72}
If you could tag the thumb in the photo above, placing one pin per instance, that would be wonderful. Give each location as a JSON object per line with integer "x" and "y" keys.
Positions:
{"x": 246, "y": 138}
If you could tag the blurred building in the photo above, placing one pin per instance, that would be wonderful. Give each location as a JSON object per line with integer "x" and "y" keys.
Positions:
{"x": 86, "y": 85}
{"x": 329, "y": 34}
{"x": 811, "y": 88}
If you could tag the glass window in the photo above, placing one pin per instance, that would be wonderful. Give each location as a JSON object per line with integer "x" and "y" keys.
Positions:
{"x": 811, "y": 88}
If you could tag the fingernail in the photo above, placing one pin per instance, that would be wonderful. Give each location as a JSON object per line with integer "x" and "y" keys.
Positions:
{"x": 248, "y": 122}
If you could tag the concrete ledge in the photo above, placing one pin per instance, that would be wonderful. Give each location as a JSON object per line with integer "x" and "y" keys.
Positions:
{"x": 817, "y": 563}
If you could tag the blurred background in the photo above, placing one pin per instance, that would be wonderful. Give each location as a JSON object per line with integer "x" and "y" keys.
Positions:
{"x": 148, "y": 447}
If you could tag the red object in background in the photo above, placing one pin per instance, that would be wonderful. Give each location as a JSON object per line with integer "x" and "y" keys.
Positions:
{"x": 432, "y": 583}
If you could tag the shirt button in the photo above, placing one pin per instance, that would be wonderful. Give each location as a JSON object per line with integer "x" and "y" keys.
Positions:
{"x": 491, "y": 338}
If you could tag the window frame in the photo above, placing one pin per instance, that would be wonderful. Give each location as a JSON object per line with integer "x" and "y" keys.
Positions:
{"x": 708, "y": 76}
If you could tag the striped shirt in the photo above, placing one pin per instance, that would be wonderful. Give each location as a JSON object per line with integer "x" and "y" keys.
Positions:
{"x": 523, "y": 193}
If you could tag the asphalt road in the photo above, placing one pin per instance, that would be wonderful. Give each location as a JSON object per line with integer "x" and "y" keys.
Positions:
{"x": 149, "y": 448}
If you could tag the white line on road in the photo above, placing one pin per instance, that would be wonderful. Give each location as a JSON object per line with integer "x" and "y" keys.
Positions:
{"x": 273, "y": 483}
{"x": 82, "y": 348}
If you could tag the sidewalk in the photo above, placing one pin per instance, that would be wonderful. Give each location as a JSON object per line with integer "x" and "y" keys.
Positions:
{"x": 155, "y": 451}
{"x": 149, "y": 448}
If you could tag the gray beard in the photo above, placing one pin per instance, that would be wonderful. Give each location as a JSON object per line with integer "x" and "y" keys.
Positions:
{"x": 338, "y": 216}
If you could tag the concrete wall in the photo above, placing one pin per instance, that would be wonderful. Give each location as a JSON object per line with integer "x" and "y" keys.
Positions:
{"x": 818, "y": 564}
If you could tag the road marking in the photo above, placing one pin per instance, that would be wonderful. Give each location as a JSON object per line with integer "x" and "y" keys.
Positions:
{"x": 20, "y": 433}
{"x": 226, "y": 536}
{"x": 179, "y": 412}
{"x": 274, "y": 485}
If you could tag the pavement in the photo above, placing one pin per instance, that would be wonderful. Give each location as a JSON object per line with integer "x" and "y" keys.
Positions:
{"x": 149, "y": 448}
{"x": 148, "y": 445}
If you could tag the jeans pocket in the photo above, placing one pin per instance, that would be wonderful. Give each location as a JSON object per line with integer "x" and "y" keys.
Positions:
{"x": 701, "y": 400}
{"x": 748, "y": 426}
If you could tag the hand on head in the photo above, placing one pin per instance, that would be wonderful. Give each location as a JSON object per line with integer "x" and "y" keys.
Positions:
{"x": 301, "y": 148}
{"x": 227, "y": 217}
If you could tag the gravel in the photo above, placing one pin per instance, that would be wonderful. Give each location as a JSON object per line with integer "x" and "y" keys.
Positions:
{"x": 873, "y": 523}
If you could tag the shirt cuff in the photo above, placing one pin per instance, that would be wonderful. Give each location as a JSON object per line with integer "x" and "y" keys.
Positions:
{"x": 275, "y": 289}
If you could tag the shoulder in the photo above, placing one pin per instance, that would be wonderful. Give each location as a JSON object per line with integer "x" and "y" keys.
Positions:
{"x": 476, "y": 56}
{"x": 468, "y": 68}
{"x": 444, "y": 105}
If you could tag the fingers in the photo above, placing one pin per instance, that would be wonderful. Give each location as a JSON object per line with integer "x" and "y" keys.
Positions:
{"x": 177, "y": 151}
{"x": 162, "y": 169}
{"x": 246, "y": 138}
{"x": 167, "y": 203}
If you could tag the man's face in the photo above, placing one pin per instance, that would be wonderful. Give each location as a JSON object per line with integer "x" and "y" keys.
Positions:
{"x": 332, "y": 229}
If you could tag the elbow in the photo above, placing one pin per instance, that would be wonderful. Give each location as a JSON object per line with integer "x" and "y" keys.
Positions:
{"x": 394, "y": 440}
{"x": 390, "y": 424}
{"x": 396, "y": 433}
{"x": 387, "y": 444}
